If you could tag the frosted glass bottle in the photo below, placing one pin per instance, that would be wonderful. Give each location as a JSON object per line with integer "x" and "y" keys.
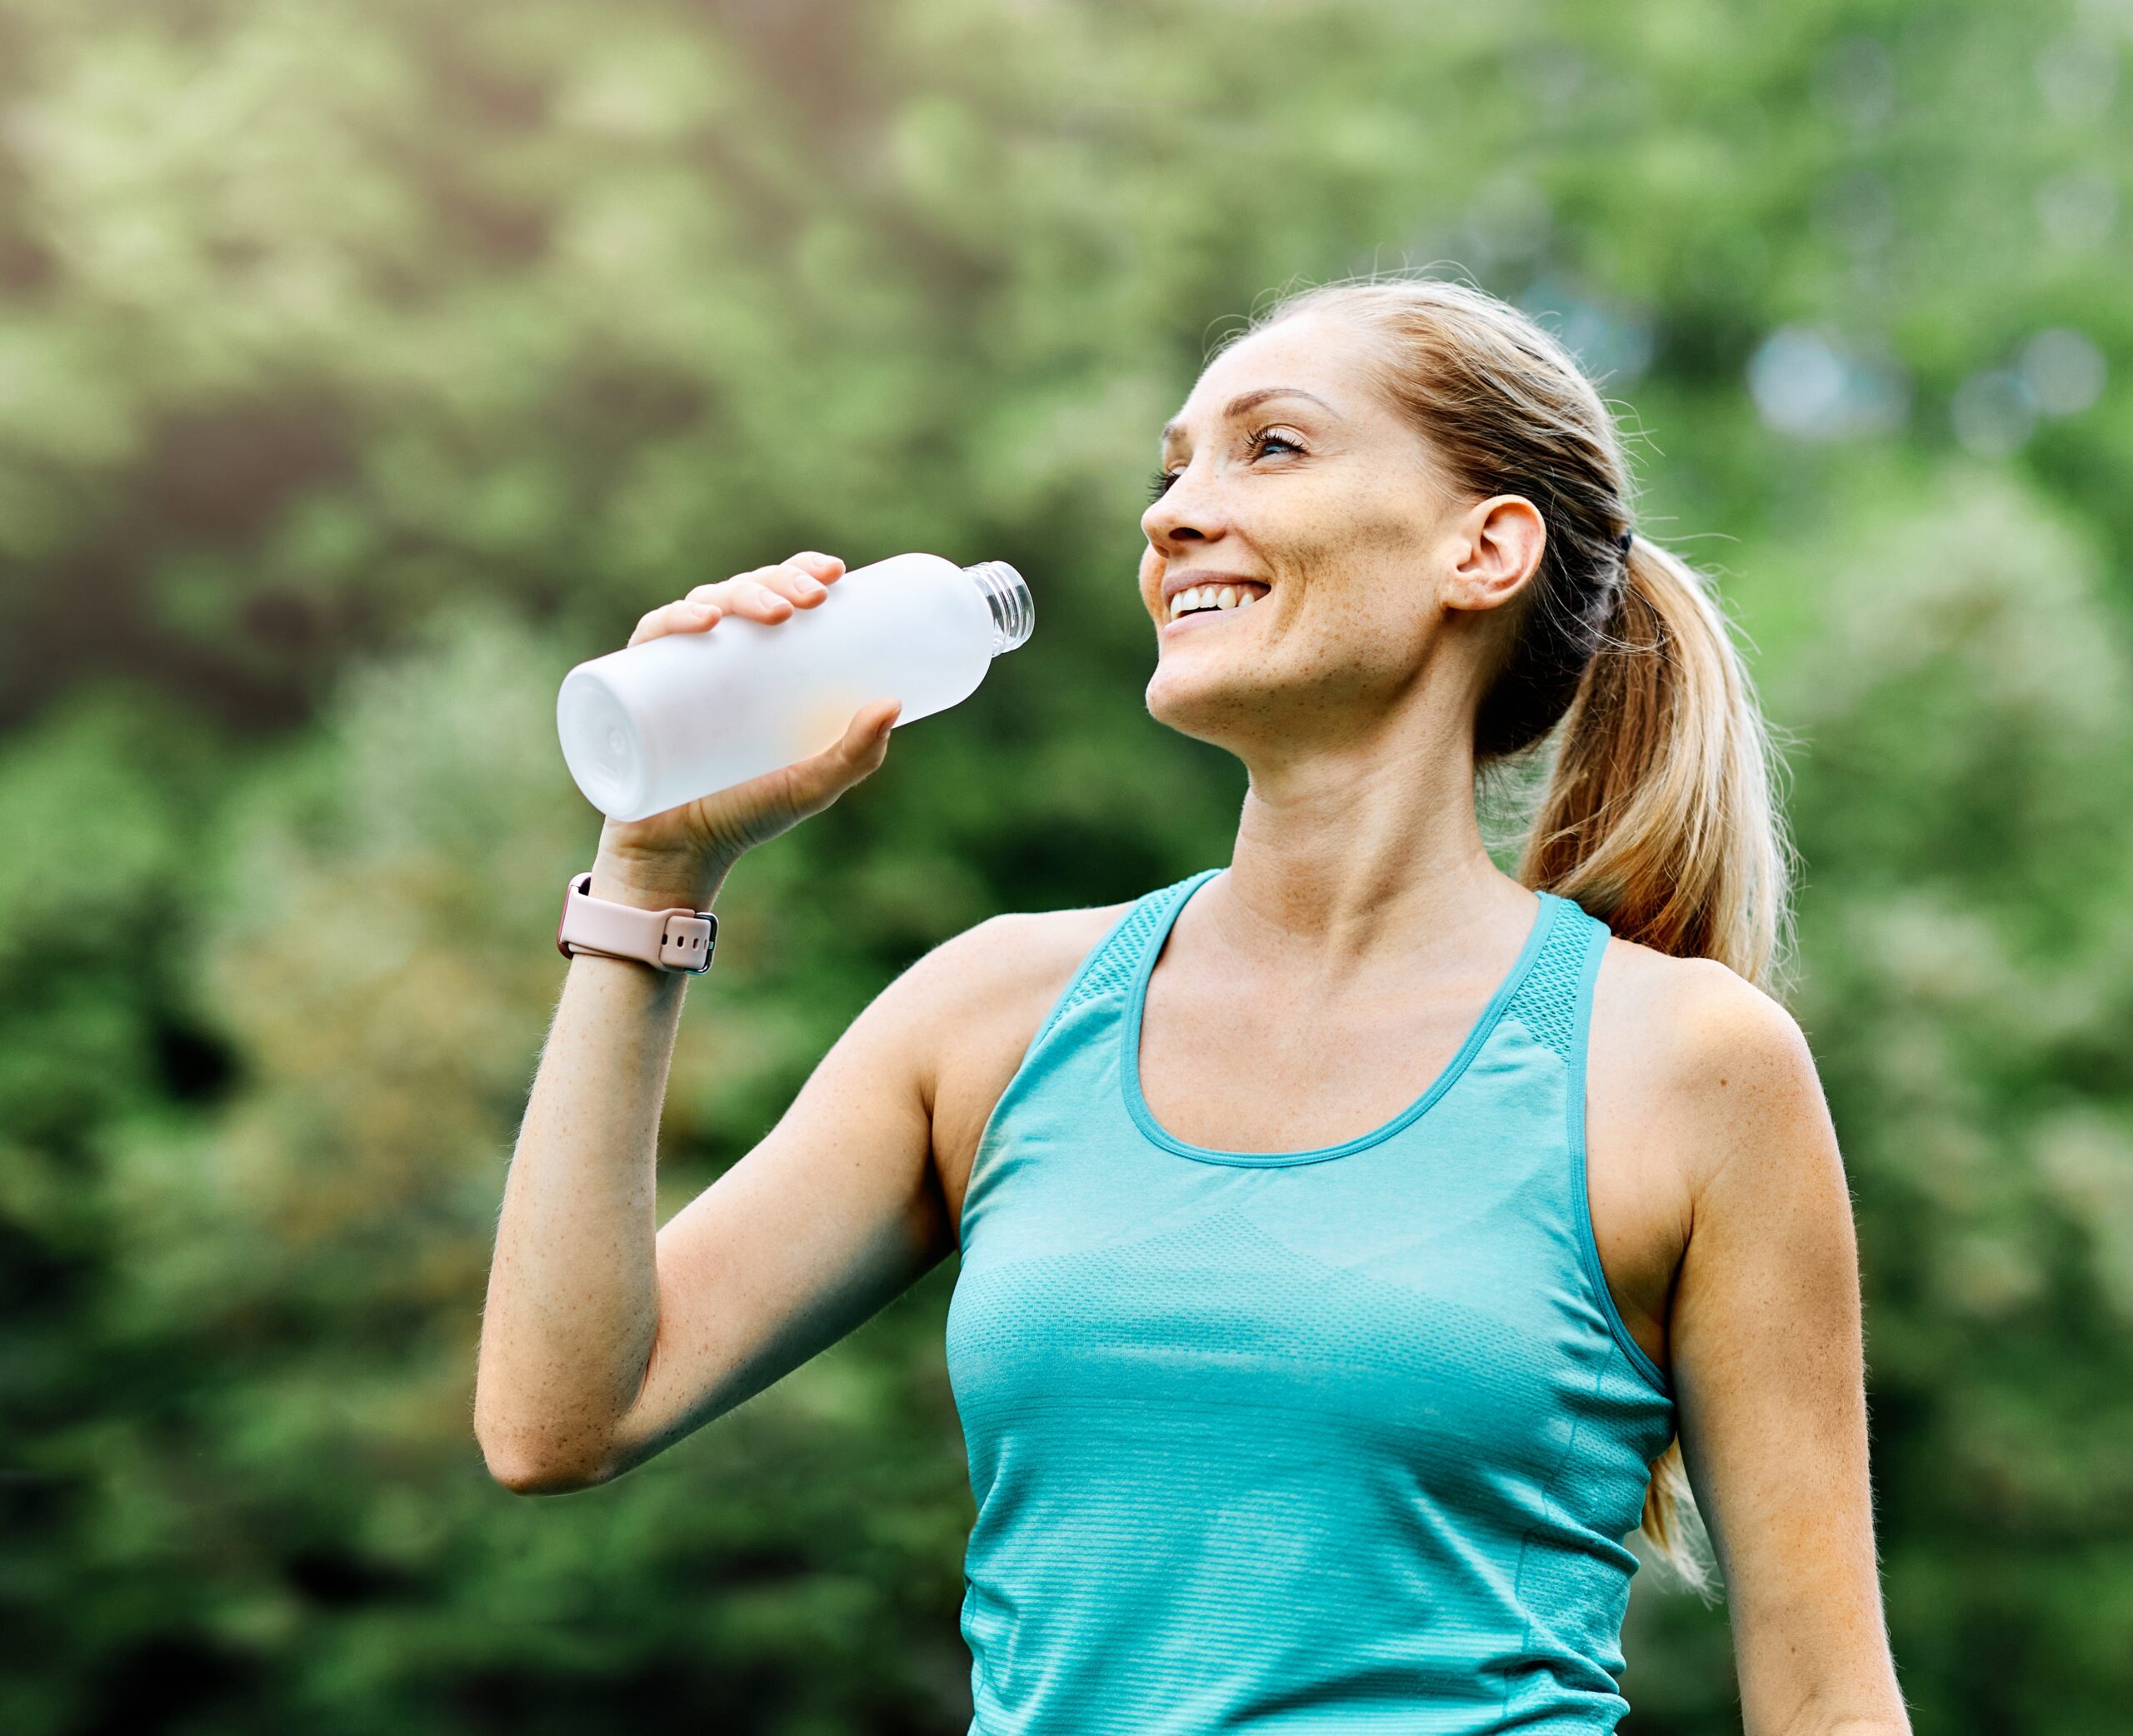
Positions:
{"x": 653, "y": 725}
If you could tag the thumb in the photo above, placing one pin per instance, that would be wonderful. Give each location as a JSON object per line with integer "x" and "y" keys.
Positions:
{"x": 869, "y": 731}
{"x": 865, "y": 743}
{"x": 815, "y": 783}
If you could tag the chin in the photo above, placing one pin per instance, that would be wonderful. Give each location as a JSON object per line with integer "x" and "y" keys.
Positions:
{"x": 1207, "y": 704}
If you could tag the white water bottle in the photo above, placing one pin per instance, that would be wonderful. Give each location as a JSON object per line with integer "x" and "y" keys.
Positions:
{"x": 653, "y": 725}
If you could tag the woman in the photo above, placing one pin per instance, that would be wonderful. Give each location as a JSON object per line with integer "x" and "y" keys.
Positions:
{"x": 1294, "y": 1399}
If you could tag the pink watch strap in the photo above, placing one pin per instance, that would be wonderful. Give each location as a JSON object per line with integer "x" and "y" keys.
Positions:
{"x": 678, "y": 939}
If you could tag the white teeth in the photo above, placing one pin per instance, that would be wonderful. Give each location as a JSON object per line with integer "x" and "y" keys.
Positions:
{"x": 1211, "y": 596}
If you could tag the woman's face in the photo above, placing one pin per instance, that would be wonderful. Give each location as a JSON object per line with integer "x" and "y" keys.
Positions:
{"x": 1293, "y": 479}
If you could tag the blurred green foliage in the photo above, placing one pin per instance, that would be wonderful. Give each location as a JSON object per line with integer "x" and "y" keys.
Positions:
{"x": 363, "y": 366}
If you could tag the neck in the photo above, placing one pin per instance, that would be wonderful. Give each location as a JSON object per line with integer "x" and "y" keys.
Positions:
{"x": 1366, "y": 857}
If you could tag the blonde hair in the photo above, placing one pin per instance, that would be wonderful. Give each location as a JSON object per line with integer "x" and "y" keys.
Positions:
{"x": 1657, "y": 814}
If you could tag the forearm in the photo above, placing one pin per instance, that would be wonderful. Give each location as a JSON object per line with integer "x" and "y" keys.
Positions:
{"x": 573, "y": 1298}
{"x": 1893, "y": 1722}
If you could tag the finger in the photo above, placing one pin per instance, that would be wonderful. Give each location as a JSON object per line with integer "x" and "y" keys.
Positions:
{"x": 684, "y": 616}
{"x": 749, "y": 596}
{"x": 796, "y": 584}
{"x": 733, "y": 594}
{"x": 828, "y": 568}
{"x": 803, "y": 578}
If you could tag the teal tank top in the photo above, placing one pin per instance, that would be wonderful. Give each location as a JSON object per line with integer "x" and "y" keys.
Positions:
{"x": 1329, "y": 1441}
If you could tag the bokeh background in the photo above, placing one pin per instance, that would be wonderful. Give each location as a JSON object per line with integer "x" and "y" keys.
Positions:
{"x": 365, "y": 363}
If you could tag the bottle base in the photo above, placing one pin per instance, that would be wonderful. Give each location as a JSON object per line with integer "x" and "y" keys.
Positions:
{"x": 600, "y": 745}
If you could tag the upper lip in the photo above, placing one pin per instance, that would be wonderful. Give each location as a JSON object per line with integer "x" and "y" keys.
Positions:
{"x": 1174, "y": 582}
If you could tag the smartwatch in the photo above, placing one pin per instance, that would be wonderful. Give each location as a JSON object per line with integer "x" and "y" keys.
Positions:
{"x": 678, "y": 938}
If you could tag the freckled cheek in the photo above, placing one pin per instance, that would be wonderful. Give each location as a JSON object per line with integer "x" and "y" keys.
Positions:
{"x": 1317, "y": 524}
{"x": 1388, "y": 522}
{"x": 1151, "y": 573}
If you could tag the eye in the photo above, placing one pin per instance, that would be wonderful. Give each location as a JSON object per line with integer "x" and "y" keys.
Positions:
{"x": 1260, "y": 441}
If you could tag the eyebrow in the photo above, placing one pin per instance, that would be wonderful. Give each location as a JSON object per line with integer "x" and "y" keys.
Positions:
{"x": 1237, "y": 406}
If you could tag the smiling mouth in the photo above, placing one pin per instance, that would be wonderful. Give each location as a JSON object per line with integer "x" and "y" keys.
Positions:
{"x": 1225, "y": 599}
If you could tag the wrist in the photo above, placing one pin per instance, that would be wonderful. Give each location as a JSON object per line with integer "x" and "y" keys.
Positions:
{"x": 655, "y": 886}
{"x": 651, "y": 920}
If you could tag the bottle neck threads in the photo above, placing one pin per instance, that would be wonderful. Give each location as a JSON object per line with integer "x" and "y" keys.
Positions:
{"x": 1006, "y": 594}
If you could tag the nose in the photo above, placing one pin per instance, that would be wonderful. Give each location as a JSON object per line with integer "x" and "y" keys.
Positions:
{"x": 1185, "y": 512}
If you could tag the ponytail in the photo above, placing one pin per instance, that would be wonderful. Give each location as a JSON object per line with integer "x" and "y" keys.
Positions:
{"x": 1657, "y": 817}
{"x": 1657, "y": 814}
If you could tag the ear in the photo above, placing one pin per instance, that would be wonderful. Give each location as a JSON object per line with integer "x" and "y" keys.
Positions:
{"x": 1497, "y": 546}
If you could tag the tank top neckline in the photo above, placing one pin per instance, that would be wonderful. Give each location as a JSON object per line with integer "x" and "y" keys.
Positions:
{"x": 1128, "y": 1037}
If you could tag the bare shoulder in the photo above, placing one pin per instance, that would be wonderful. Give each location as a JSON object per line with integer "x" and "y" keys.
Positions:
{"x": 974, "y": 1003}
{"x": 1715, "y": 1064}
{"x": 1001, "y": 968}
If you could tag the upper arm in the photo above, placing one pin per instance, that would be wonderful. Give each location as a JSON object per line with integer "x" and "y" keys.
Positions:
{"x": 833, "y": 1214}
{"x": 1769, "y": 1367}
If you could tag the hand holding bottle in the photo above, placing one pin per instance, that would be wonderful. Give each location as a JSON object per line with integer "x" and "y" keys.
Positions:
{"x": 680, "y": 856}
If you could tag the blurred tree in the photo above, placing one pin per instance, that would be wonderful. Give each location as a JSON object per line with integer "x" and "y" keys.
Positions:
{"x": 1968, "y": 809}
